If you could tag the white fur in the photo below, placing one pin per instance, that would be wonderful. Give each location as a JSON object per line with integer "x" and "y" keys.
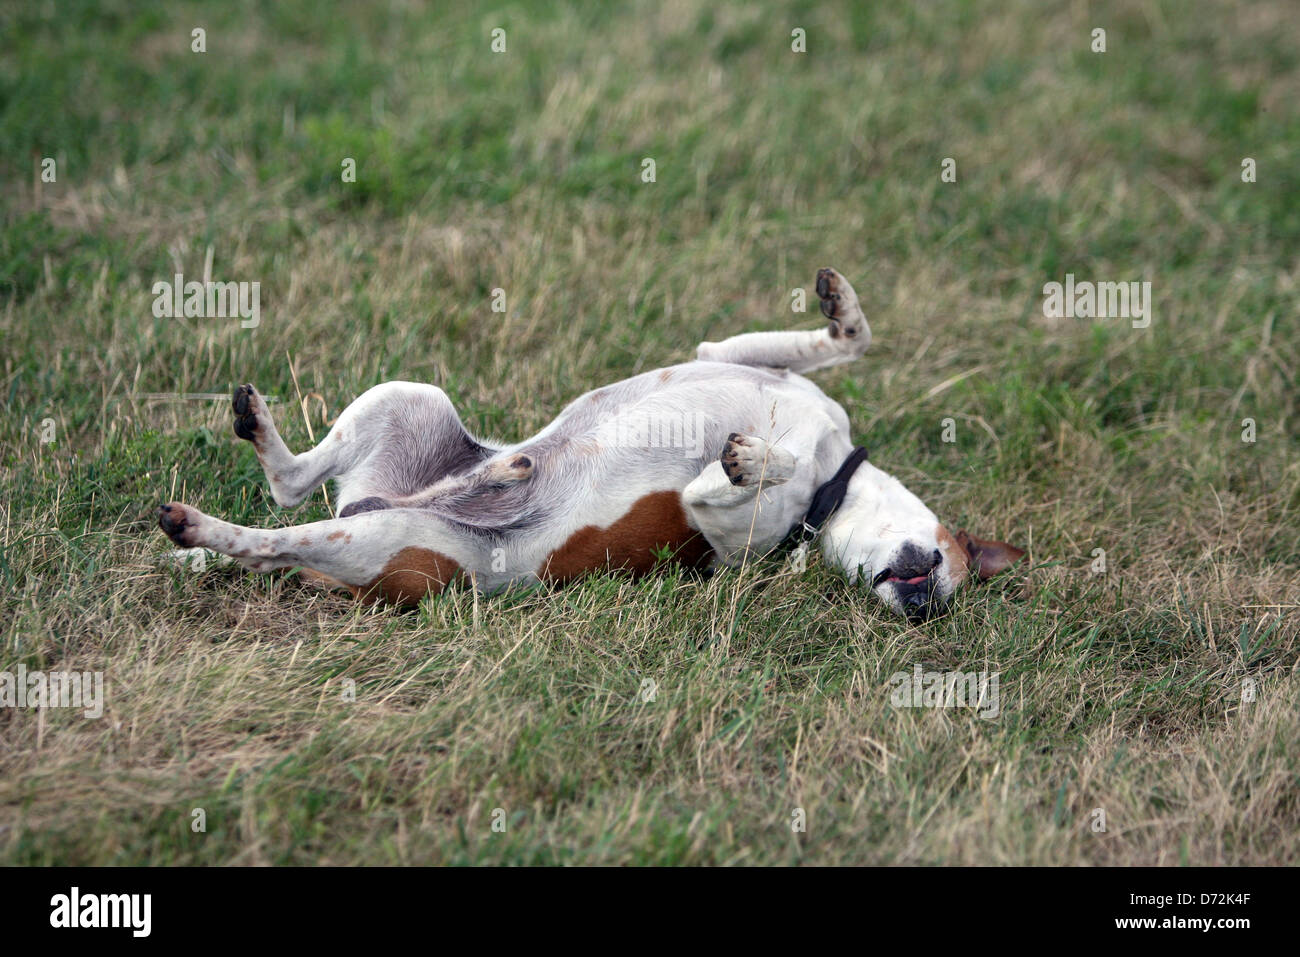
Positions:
{"x": 878, "y": 517}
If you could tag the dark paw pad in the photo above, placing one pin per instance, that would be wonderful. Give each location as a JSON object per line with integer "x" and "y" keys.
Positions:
{"x": 828, "y": 281}
{"x": 174, "y": 521}
{"x": 243, "y": 403}
{"x": 839, "y": 304}
{"x": 730, "y": 459}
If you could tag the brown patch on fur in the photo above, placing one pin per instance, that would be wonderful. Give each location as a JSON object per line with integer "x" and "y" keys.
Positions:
{"x": 410, "y": 575}
{"x": 334, "y": 536}
{"x": 665, "y": 375}
{"x": 988, "y": 558}
{"x": 654, "y": 522}
{"x": 955, "y": 551}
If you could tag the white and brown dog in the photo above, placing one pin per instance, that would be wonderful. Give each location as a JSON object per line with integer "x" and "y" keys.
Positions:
{"x": 626, "y": 476}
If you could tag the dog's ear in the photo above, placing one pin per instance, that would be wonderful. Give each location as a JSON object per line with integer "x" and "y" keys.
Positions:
{"x": 988, "y": 558}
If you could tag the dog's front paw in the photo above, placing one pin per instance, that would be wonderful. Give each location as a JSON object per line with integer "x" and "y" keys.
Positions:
{"x": 840, "y": 305}
{"x": 748, "y": 460}
{"x": 181, "y": 523}
{"x": 247, "y": 404}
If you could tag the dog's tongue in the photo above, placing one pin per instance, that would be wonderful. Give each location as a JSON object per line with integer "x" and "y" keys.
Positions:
{"x": 911, "y": 581}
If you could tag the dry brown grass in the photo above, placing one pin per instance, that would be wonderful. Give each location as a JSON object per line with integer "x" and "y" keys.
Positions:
{"x": 1121, "y": 691}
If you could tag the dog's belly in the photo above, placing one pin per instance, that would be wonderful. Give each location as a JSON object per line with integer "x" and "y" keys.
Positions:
{"x": 676, "y": 407}
{"x": 605, "y": 489}
{"x": 630, "y": 449}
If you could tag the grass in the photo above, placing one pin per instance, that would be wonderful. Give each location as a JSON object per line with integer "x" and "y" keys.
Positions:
{"x": 1121, "y": 691}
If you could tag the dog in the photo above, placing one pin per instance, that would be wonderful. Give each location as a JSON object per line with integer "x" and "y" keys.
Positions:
{"x": 423, "y": 503}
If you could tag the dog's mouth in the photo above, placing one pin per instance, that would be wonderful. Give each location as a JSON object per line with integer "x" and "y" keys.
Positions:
{"x": 908, "y": 581}
{"x": 917, "y": 597}
{"x": 887, "y": 576}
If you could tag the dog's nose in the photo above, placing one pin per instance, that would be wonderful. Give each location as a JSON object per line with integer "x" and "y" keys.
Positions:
{"x": 911, "y": 563}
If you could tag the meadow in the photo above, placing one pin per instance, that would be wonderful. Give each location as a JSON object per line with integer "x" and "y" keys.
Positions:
{"x": 1147, "y": 648}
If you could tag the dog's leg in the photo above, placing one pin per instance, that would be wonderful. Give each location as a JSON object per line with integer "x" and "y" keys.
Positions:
{"x": 395, "y": 439}
{"x": 290, "y": 476}
{"x": 748, "y": 499}
{"x": 458, "y": 489}
{"x": 845, "y": 338}
{"x": 397, "y": 554}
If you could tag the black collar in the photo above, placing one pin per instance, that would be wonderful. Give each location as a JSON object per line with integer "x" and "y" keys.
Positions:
{"x": 828, "y": 498}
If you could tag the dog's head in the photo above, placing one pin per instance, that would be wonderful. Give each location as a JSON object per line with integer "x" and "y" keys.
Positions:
{"x": 883, "y": 534}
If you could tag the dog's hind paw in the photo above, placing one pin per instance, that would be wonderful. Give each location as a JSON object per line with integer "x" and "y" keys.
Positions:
{"x": 839, "y": 304}
{"x": 180, "y": 522}
{"x": 247, "y": 404}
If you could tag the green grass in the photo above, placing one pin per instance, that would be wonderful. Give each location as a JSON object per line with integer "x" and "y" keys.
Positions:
{"x": 1120, "y": 691}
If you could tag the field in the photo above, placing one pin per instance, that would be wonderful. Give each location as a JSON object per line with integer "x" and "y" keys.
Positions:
{"x": 1147, "y": 649}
